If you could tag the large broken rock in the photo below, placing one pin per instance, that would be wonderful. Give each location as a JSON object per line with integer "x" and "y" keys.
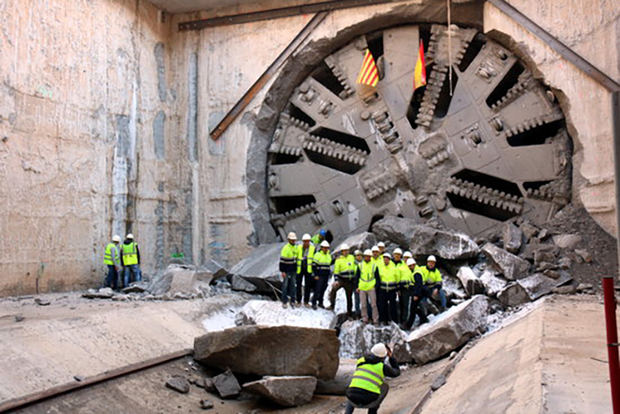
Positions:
{"x": 289, "y": 391}
{"x": 425, "y": 240}
{"x": 226, "y": 384}
{"x": 270, "y": 313}
{"x": 183, "y": 279}
{"x": 531, "y": 288}
{"x": 453, "y": 287}
{"x": 339, "y": 384}
{"x": 511, "y": 266}
{"x": 241, "y": 285}
{"x": 361, "y": 241}
{"x": 512, "y": 237}
{"x": 261, "y": 267}
{"x": 446, "y": 332}
{"x": 492, "y": 284}
{"x": 278, "y": 350}
{"x": 357, "y": 338}
{"x": 470, "y": 281}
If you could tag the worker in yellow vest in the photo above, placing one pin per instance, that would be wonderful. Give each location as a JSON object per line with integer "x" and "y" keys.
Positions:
{"x": 386, "y": 294}
{"x": 433, "y": 282}
{"x": 130, "y": 259}
{"x": 344, "y": 275}
{"x": 401, "y": 268}
{"x": 112, "y": 259}
{"x": 356, "y": 296}
{"x": 367, "y": 275}
{"x": 321, "y": 271}
{"x": 376, "y": 256}
{"x": 305, "y": 255}
{"x": 288, "y": 269}
{"x": 368, "y": 388}
{"x": 415, "y": 292}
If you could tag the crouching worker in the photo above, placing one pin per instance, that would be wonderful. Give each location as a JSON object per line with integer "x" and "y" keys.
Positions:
{"x": 368, "y": 388}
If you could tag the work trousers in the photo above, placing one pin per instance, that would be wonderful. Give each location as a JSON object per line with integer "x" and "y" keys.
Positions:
{"x": 135, "y": 276}
{"x": 308, "y": 285}
{"x": 288, "y": 287}
{"x": 367, "y": 399}
{"x": 365, "y": 297}
{"x": 404, "y": 297}
{"x": 349, "y": 289}
{"x": 443, "y": 300}
{"x": 415, "y": 308}
{"x": 112, "y": 278}
{"x": 387, "y": 305}
{"x": 320, "y": 285}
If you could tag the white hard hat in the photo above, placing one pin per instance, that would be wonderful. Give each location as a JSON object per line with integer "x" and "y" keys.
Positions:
{"x": 407, "y": 254}
{"x": 129, "y": 236}
{"x": 431, "y": 258}
{"x": 291, "y": 236}
{"x": 379, "y": 350}
{"x": 397, "y": 251}
{"x": 116, "y": 238}
{"x": 367, "y": 252}
{"x": 374, "y": 249}
{"x": 344, "y": 246}
{"x": 386, "y": 254}
{"x": 306, "y": 237}
{"x": 324, "y": 243}
{"x": 410, "y": 262}
{"x": 357, "y": 252}
{"x": 380, "y": 244}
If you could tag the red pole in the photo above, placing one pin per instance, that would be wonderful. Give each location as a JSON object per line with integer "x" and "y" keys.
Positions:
{"x": 612, "y": 341}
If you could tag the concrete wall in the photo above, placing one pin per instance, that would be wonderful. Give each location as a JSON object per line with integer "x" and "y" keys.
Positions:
{"x": 592, "y": 29}
{"x": 88, "y": 142}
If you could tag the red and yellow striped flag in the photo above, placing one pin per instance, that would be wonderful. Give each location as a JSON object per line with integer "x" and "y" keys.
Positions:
{"x": 419, "y": 73}
{"x": 369, "y": 75}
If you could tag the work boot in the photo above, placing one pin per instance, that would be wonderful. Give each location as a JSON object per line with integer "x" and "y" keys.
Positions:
{"x": 314, "y": 307}
{"x": 284, "y": 305}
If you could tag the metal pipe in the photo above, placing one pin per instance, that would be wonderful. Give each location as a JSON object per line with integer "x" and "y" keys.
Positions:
{"x": 278, "y": 13}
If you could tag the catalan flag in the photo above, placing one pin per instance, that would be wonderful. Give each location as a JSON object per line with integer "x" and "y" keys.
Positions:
{"x": 369, "y": 75}
{"x": 419, "y": 73}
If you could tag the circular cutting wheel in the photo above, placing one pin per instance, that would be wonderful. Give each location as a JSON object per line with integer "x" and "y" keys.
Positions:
{"x": 482, "y": 143}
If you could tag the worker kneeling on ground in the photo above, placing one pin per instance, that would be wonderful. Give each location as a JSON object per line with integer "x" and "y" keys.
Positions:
{"x": 368, "y": 388}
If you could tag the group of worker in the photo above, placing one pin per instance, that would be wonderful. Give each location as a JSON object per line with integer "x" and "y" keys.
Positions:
{"x": 123, "y": 262}
{"x": 384, "y": 287}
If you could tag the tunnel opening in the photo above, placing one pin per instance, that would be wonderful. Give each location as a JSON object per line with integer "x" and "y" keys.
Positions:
{"x": 324, "y": 75}
{"x": 537, "y": 135}
{"x": 279, "y": 158}
{"x": 473, "y": 49}
{"x": 446, "y": 94}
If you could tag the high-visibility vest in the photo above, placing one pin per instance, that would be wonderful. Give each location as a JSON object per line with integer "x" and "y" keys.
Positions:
{"x": 433, "y": 276}
{"x": 288, "y": 257}
{"x": 367, "y": 276}
{"x": 345, "y": 267}
{"x": 315, "y": 239}
{"x": 406, "y": 278}
{"x": 309, "y": 256}
{"x": 423, "y": 271}
{"x": 130, "y": 254}
{"x": 111, "y": 253}
{"x": 368, "y": 377}
{"x": 401, "y": 268}
{"x": 388, "y": 276}
{"x": 322, "y": 263}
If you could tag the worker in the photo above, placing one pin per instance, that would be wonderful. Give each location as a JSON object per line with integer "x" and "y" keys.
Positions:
{"x": 112, "y": 258}
{"x": 400, "y": 268}
{"x": 367, "y": 274}
{"x": 344, "y": 275}
{"x": 321, "y": 269}
{"x": 356, "y": 296}
{"x": 368, "y": 388}
{"x": 376, "y": 258}
{"x": 386, "y": 294}
{"x": 415, "y": 293}
{"x": 381, "y": 247}
{"x": 305, "y": 255}
{"x": 407, "y": 255}
{"x": 434, "y": 282}
{"x": 288, "y": 269}
{"x": 130, "y": 260}
{"x": 319, "y": 237}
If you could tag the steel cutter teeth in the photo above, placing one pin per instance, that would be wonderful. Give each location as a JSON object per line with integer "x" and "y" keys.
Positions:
{"x": 521, "y": 87}
{"x": 431, "y": 96}
{"x": 340, "y": 75}
{"x": 333, "y": 149}
{"x": 486, "y": 195}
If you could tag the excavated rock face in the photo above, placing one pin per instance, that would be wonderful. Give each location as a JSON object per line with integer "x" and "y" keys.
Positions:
{"x": 481, "y": 143}
{"x": 281, "y": 350}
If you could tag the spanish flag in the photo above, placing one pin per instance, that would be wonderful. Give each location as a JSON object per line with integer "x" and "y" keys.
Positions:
{"x": 419, "y": 74}
{"x": 369, "y": 75}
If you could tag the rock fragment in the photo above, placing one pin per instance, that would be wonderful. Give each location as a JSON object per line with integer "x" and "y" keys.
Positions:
{"x": 261, "y": 268}
{"x": 470, "y": 281}
{"x": 357, "y": 338}
{"x": 178, "y": 384}
{"x": 361, "y": 241}
{"x": 492, "y": 284}
{"x": 226, "y": 384}
{"x": 206, "y": 404}
{"x": 584, "y": 254}
{"x": 42, "y": 302}
{"x": 511, "y": 266}
{"x": 512, "y": 238}
{"x": 566, "y": 241}
{"x": 240, "y": 284}
{"x": 288, "y": 391}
